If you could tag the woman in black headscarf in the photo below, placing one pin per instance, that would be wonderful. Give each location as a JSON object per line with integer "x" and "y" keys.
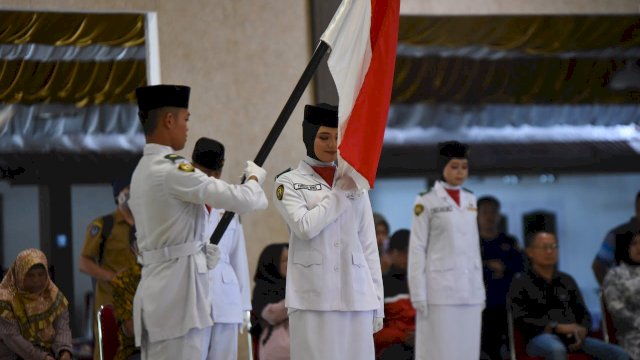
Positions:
{"x": 268, "y": 302}
{"x": 622, "y": 290}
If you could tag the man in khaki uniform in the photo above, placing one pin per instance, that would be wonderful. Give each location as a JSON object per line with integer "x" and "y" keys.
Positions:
{"x": 106, "y": 250}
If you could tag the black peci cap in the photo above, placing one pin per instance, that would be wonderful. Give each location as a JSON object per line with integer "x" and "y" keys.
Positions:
{"x": 208, "y": 153}
{"x": 321, "y": 115}
{"x": 158, "y": 96}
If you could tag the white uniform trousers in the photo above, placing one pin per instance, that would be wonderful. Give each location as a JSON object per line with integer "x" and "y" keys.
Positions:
{"x": 185, "y": 347}
{"x": 220, "y": 342}
{"x": 323, "y": 335}
{"x": 449, "y": 332}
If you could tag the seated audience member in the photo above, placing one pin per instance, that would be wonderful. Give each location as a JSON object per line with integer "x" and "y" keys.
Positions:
{"x": 382, "y": 238}
{"x": 34, "y": 315}
{"x": 605, "y": 258}
{"x": 396, "y": 339}
{"x": 124, "y": 287}
{"x": 622, "y": 293}
{"x": 501, "y": 261}
{"x": 268, "y": 303}
{"x": 548, "y": 308}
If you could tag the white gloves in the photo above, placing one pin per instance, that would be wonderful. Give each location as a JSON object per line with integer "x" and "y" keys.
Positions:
{"x": 421, "y": 307}
{"x": 377, "y": 324}
{"x": 254, "y": 170}
{"x": 348, "y": 187}
{"x": 213, "y": 255}
{"x": 246, "y": 321}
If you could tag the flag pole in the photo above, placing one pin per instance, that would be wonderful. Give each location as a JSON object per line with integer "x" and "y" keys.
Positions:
{"x": 278, "y": 126}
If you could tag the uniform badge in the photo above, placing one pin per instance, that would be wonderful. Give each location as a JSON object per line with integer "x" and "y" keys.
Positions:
{"x": 173, "y": 157}
{"x": 95, "y": 230}
{"x": 418, "y": 209}
{"x": 314, "y": 187}
{"x": 186, "y": 167}
{"x": 280, "y": 192}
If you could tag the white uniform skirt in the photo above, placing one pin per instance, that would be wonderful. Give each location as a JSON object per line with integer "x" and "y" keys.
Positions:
{"x": 323, "y": 335}
{"x": 450, "y": 332}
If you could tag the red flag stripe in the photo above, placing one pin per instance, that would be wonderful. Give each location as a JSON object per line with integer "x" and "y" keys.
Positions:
{"x": 364, "y": 132}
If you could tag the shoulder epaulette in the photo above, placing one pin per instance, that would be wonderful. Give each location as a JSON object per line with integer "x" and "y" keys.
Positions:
{"x": 173, "y": 157}
{"x": 284, "y": 172}
{"x": 467, "y": 190}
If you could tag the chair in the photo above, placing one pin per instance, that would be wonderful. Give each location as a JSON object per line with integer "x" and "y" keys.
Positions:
{"x": 608, "y": 328}
{"x": 107, "y": 332}
{"x": 517, "y": 346}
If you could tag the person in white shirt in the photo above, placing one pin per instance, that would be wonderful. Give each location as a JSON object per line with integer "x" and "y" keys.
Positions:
{"x": 445, "y": 268}
{"x": 229, "y": 287}
{"x": 334, "y": 284}
{"x": 171, "y": 309}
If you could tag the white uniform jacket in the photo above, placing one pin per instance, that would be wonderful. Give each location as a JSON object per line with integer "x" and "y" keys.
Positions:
{"x": 167, "y": 199}
{"x": 444, "y": 250}
{"x": 230, "y": 289}
{"x": 333, "y": 255}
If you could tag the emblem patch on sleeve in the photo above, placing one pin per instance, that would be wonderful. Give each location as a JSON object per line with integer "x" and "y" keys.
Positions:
{"x": 95, "y": 230}
{"x": 280, "y": 192}
{"x": 418, "y": 209}
{"x": 186, "y": 167}
{"x": 173, "y": 157}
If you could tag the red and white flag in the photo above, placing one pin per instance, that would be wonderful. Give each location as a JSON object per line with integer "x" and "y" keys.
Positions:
{"x": 363, "y": 36}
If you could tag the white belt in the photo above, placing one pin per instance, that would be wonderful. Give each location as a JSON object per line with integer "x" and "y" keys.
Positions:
{"x": 169, "y": 253}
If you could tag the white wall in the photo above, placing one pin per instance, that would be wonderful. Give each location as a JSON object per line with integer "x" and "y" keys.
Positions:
{"x": 87, "y": 203}
{"x": 586, "y": 207}
{"x": 21, "y": 220}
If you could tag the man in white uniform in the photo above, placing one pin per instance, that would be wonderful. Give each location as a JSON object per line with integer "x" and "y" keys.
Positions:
{"x": 172, "y": 310}
{"x": 229, "y": 286}
{"x": 334, "y": 284}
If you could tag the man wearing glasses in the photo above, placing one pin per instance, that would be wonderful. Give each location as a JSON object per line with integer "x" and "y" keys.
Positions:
{"x": 549, "y": 310}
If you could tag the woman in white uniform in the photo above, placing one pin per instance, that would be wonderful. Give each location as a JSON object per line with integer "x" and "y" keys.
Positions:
{"x": 334, "y": 285}
{"x": 445, "y": 270}
{"x": 229, "y": 287}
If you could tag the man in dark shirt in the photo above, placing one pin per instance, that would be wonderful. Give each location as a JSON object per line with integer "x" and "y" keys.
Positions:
{"x": 548, "y": 308}
{"x": 501, "y": 260}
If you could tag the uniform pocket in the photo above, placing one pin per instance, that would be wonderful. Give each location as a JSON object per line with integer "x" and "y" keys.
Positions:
{"x": 360, "y": 272}
{"x": 307, "y": 258}
{"x": 228, "y": 275}
{"x": 306, "y": 274}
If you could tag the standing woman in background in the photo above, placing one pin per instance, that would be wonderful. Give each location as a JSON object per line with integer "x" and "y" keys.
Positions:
{"x": 268, "y": 303}
{"x": 445, "y": 268}
{"x": 334, "y": 284}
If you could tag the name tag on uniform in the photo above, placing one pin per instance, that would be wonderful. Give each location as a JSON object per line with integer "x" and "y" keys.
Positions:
{"x": 472, "y": 207}
{"x": 315, "y": 187}
{"x": 441, "y": 209}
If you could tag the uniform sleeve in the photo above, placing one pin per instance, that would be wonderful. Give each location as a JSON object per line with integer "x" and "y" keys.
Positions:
{"x": 92, "y": 239}
{"x": 367, "y": 235}
{"x": 238, "y": 259}
{"x": 304, "y": 222}
{"x": 418, "y": 242}
{"x": 10, "y": 334}
{"x": 614, "y": 296}
{"x": 196, "y": 187}
{"x": 62, "y": 340}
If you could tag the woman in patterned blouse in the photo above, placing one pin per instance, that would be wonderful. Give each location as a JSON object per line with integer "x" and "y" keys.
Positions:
{"x": 622, "y": 291}
{"x": 34, "y": 315}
